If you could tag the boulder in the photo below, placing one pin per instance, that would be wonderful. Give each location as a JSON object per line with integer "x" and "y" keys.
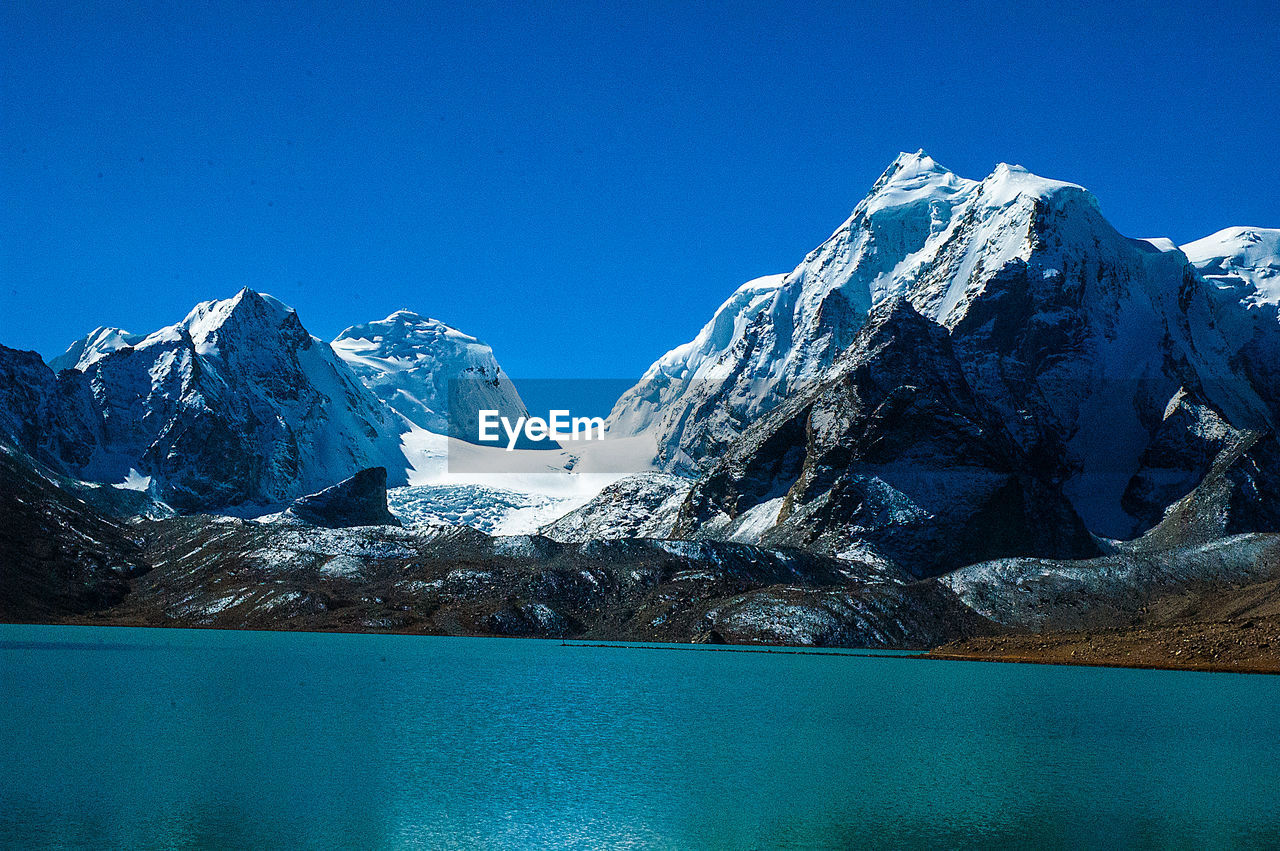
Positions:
{"x": 358, "y": 501}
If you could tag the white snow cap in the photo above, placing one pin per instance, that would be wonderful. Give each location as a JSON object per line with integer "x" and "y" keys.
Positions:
{"x": 1244, "y": 258}
{"x": 911, "y": 178}
{"x": 1010, "y": 182}
{"x": 92, "y": 348}
{"x": 1248, "y": 247}
{"x": 407, "y": 360}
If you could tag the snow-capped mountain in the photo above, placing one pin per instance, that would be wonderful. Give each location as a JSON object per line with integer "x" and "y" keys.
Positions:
{"x": 419, "y": 366}
{"x": 92, "y": 348}
{"x": 779, "y": 332}
{"x": 1077, "y": 336}
{"x": 1117, "y": 367}
{"x": 1247, "y": 259}
{"x": 238, "y": 408}
{"x": 235, "y": 405}
{"x": 1240, "y": 268}
{"x": 978, "y": 380}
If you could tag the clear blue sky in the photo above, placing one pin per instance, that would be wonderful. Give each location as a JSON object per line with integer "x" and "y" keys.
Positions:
{"x": 578, "y": 184}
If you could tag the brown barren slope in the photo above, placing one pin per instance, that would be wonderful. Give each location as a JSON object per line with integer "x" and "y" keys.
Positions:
{"x": 1236, "y": 629}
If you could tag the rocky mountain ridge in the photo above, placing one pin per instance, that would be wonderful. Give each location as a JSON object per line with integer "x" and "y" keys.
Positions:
{"x": 1078, "y": 337}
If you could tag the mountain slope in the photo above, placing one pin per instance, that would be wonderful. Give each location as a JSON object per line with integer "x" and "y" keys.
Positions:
{"x": 778, "y": 333}
{"x": 1244, "y": 258}
{"x": 46, "y": 415}
{"x": 455, "y": 581}
{"x": 98, "y": 343}
{"x": 1241, "y": 268}
{"x": 643, "y": 505}
{"x": 890, "y": 458}
{"x": 58, "y": 555}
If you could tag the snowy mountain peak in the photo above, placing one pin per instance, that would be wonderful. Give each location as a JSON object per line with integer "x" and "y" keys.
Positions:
{"x": 247, "y": 311}
{"x": 403, "y": 333}
{"x": 918, "y": 156}
{"x": 768, "y": 339}
{"x": 1238, "y": 238}
{"x": 1246, "y": 258}
{"x": 93, "y": 347}
{"x": 911, "y": 166}
{"x": 1007, "y": 183}
{"x": 408, "y": 361}
{"x": 910, "y": 179}
{"x": 1237, "y": 248}
{"x": 235, "y": 404}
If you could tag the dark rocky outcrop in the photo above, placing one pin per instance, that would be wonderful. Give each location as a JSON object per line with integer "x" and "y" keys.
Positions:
{"x": 358, "y": 501}
{"x": 892, "y": 457}
{"x": 644, "y": 505}
{"x": 1184, "y": 443}
{"x": 59, "y": 556}
{"x": 44, "y": 414}
{"x": 1239, "y": 494}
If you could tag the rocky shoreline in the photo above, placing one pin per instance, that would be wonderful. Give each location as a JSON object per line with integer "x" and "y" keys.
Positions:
{"x": 1250, "y": 646}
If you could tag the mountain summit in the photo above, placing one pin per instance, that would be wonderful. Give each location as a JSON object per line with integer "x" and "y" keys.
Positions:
{"x": 409, "y": 361}
{"x": 1075, "y": 335}
{"x": 237, "y": 404}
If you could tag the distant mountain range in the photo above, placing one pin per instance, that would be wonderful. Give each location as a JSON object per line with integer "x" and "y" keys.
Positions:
{"x": 966, "y": 372}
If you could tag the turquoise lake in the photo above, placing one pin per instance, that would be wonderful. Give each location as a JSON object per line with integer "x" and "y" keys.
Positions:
{"x": 116, "y": 737}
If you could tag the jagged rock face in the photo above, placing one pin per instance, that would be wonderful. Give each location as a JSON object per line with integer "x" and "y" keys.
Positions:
{"x": 58, "y": 555}
{"x": 237, "y": 404}
{"x": 644, "y": 505}
{"x": 44, "y": 414}
{"x": 1237, "y": 495}
{"x": 422, "y": 369}
{"x": 1082, "y": 337}
{"x": 1183, "y": 447}
{"x": 358, "y": 501}
{"x": 890, "y": 458}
